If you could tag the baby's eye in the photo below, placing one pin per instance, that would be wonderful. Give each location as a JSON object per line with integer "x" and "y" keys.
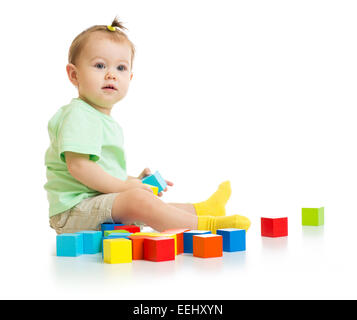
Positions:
{"x": 121, "y": 68}
{"x": 99, "y": 65}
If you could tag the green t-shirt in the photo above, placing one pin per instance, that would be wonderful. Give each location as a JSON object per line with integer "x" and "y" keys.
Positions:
{"x": 80, "y": 128}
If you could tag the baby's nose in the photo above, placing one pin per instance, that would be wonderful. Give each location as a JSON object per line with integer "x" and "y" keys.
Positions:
{"x": 110, "y": 75}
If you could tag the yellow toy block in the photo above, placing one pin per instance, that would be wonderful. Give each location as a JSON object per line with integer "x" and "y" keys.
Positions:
{"x": 153, "y": 188}
{"x": 117, "y": 251}
{"x": 149, "y": 234}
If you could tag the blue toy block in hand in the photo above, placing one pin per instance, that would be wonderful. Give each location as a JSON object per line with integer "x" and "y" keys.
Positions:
{"x": 155, "y": 180}
{"x": 92, "y": 241}
{"x": 233, "y": 239}
{"x": 69, "y": 244}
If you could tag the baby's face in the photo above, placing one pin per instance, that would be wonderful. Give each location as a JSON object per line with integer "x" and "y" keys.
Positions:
{"x": 103, "y": 72}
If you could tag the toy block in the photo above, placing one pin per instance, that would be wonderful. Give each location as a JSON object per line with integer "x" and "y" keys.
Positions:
{"x": 69, "y": 244}
{"x": 118, "y": 235}
{"x": 137, "y": 243}
{"x": 274, "y": 227}
{"x": 169, "y": 235}
{"x": 159, "y": 249}
{"x": 137, "y": 240}
{"x": 154, "y": 189}
{"x": 312, "y": 216}
{"x": 208, "y": 246}
{"x": 233, "y": 239}
{"x": 92, "y": 241}
{"x": 145, "y": 233}
{"x": 109, "y": 226}
{"x": 179, "y": 238}
{"x": 188, "y": 239}
{"x": 158, "y": 234}
{"x": 155, "y": 180}
{"x": 117, "y": 251}
{"x": 108, "y": 232}
{"x": 114, "y": 236}
{"x": 131, "y": 228}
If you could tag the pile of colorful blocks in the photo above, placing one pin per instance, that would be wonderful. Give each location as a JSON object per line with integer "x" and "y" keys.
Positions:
{"x": 123, "y": 243}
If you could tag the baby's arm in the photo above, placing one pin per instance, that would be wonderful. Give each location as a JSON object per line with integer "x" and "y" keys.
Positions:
{"x": 93, "y": 176}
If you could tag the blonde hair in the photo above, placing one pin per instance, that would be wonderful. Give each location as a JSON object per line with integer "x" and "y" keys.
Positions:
{"x": 117, "y": 35}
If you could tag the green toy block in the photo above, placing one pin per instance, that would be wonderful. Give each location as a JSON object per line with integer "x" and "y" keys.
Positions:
{"x": 108, "y": 232}
{"x": 312, "y": 216}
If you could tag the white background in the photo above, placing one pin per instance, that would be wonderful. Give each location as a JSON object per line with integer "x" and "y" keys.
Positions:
{"x": 262, "y": 93}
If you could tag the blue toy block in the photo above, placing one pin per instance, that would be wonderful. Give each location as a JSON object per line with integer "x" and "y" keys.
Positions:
{"x": 233, "y": 239}
{"x": 69, "y": 244}
{"x": 119, "y": 235}
{"x": 155, "y": 180}
{"x": 188, "y": 239}
{"x": 109, "y": 226}
{"x": 92, "y": 241}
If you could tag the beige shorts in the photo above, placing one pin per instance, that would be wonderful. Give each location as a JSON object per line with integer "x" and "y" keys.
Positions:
{"x": 89, "y": 214}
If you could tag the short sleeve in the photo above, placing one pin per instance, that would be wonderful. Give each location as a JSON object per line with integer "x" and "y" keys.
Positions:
{"x": 80, "y": 132}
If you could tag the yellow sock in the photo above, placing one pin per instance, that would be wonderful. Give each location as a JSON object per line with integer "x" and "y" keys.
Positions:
{"x": 215, "y": 204}
{"x": 214, "y": 223}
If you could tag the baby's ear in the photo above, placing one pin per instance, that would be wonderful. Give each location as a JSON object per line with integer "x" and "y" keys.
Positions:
{"x": 72, "y": 74}
{"x": 131, "y": 76}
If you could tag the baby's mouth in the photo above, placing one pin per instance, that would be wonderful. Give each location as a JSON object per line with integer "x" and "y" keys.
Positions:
{"x": 109, "y": 87}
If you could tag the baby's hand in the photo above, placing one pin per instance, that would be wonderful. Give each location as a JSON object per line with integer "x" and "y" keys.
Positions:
{"x": 169, "y": 183}
{"x": 146, "y": 172}
{"x": 135, "y": 183}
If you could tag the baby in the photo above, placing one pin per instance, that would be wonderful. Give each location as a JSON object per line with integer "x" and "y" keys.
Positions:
{"x": 87, "y": 183}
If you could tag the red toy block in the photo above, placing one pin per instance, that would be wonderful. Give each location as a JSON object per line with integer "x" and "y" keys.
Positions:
{"x": 207, "y": 246}
{"x": 137, "y": 246}
{"x": 131, "y": 228}
{"x": 179, "y": 238}
{"x": 274, "y": 227}
{"x": 159, "y": 249}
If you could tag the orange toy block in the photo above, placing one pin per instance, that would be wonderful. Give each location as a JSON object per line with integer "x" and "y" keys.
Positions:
{"x": 208, "y": 246}
{"x": 137, "y": 246}
{"x": 179, "y": 238}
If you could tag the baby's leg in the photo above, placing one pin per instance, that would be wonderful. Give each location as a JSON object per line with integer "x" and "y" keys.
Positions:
{"x": 188, "y": 207}
{"x": 140, "y": 205}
